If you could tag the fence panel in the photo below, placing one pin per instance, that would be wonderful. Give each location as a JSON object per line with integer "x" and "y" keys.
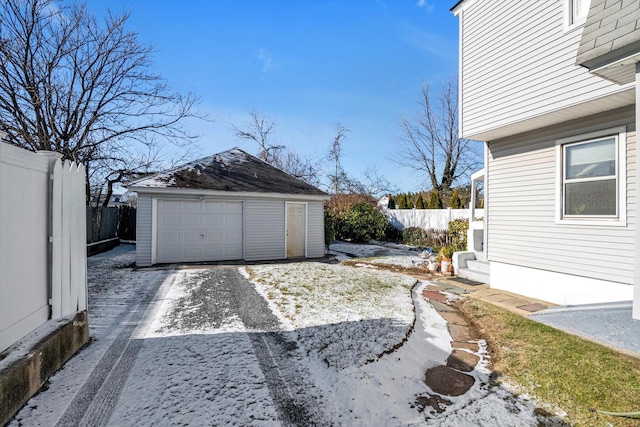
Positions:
{"x": 436, "y": 219}
{"x": 42, "y": 249}
{"x": 69, "y": 283}
{"x": 24, "y": 189}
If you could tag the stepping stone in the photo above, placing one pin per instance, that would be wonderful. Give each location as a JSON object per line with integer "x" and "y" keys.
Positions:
{"x": 472, "y": 346}
{"x": 533, "y": 307}
{"x": 462, "y": 360}
{"x": 435, "y": 288}
{"x": 455, "y": 318}
{"x": 449, "y": 382}
{"x": 461, "y": 333}
{"x": 433, "y": 295}
{"x": 440, "y": 307}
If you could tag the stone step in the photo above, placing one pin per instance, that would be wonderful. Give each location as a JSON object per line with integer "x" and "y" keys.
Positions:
{"x": 478, "y": 276}
{"x": 478, "y": 265}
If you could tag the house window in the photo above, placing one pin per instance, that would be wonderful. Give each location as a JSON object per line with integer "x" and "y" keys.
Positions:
{"x": 576, "y": 12}
{"x": 579, "y": 10}
{"x": 592, "y": 177}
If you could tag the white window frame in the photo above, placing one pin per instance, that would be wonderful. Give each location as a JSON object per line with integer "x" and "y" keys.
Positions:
{"x": 570, "y": 22}
{"x": 620, "y": 135}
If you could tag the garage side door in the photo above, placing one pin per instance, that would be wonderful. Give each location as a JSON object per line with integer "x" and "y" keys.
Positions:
{"x": 194, "y": 230}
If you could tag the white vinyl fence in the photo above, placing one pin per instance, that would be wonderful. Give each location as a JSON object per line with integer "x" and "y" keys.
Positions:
{"x": 43, "y": 264}
{"x": 427, "y": 219}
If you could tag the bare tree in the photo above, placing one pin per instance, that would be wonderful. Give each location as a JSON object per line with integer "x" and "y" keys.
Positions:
{"x": 372, "y": 184}
{"x": 83, "y": 88}
{"x": 338, "y": 176}
{"x": 260, "y": 129}
{"x": 430, "y": 143}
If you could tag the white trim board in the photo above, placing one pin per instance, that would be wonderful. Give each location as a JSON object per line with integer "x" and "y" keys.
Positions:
{"x": 557, "y": 288}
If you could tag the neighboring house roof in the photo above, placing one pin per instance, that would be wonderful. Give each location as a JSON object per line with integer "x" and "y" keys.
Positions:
{"x": 610, "y": 43}
{"x": 230, "y": 171}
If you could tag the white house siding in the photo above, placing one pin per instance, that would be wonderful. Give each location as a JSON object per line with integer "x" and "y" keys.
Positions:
{"x": 521, "y": 203}
{"x": 264, "y": 229}
{"x": 315, "y": 229}
{"x": 144, "y": 230}
{"x": 509, "y": 52}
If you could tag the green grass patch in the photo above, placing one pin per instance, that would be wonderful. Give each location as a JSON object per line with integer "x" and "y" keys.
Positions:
{"x": 559, "y": 368}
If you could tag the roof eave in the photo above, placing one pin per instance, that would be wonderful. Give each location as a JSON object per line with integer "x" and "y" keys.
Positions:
{"x": 173, "y": 191}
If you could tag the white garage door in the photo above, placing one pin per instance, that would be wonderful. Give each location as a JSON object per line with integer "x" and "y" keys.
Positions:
{"x": 195, "y": 230}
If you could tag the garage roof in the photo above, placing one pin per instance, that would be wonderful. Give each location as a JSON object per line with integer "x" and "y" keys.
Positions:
{"x": 233, "y": 171}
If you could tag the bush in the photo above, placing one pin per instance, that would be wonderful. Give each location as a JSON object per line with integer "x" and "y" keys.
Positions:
{"x": 420, "y": 202}
{"x": 458, "y": 233}
{"x": 392, "y": 233}
{"x": 361, "y": 223}
{"x": 414, "y": 236}
{"x": 330, "y": 221}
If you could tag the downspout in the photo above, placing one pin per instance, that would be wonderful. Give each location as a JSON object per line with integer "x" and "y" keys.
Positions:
{"x": 636, "y": 276}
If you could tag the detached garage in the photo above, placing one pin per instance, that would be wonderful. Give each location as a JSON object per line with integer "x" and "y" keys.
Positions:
{"x": 229, "y": 206}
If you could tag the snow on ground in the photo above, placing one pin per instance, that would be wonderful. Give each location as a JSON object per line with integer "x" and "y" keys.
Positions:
{"x": 193, "y": 358}
{"x": 193, "y": 369}
{"x": 342, "y": 314}
{"x": 364, "y": 387}
{"x": 373, "y": 254}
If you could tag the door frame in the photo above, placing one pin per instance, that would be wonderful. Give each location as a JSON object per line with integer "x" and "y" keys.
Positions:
{"x": 306, "y": 225}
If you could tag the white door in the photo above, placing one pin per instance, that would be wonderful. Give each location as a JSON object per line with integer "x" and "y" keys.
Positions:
{"x": 296, "y": 226}
{"x": 198, "y": 230}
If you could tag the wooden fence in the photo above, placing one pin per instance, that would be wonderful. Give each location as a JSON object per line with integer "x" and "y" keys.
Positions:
{"x": 43, "y": 268}
{"x": 105, "y": 223}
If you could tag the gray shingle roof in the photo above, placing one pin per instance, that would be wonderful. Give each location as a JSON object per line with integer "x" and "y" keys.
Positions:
{"x": 231, "y": 171}
{"x": 611, "y": 32}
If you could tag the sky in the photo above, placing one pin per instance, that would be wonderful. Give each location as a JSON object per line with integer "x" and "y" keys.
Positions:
{"x": 309, "y": 65}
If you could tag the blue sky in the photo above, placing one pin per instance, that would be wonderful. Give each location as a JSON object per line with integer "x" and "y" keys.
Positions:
{"x": 308, "y": 64}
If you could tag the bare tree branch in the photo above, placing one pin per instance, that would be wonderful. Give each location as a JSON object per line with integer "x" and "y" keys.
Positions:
{"x": 82, "y": 88}
{"x": 260, "y": 129}
{"x": 429, "y": 142}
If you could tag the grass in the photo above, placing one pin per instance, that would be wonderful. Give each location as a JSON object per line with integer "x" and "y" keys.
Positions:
{"x": 334, "y": 293}
{"x": 558, "y": 368}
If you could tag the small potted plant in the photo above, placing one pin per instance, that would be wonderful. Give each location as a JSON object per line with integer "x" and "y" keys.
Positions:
{"x": 445, "y": 259}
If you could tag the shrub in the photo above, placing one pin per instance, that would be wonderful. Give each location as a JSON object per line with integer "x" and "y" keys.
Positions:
{"x": 420, "y": 202}
{"x": 362, "y": 223}
{"x": 330, "y": 221}
{"x": 414, "y": 236}
{"x": 392, "y": 233}
{"x": 458, "y": 233}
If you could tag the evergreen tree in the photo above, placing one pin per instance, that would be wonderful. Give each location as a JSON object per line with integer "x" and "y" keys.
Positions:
{"x": 420, "y": 203}
{"x": 434, "y": 200}
{"x": 402, "y": 203}
{"x": 456, "y": 201}
{"x": 392, "y": 203}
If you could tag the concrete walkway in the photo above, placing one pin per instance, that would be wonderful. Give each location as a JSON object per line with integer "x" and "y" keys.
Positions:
{"x": 607, "y": 324}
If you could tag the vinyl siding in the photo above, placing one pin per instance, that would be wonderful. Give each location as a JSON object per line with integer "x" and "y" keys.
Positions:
{"x": 518, "y": 62}
{"x": 264, "y": 229}
{"x": 521, "y": 206}
{"x": 315, "y": 230}
{"x": 144, "y": 230}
